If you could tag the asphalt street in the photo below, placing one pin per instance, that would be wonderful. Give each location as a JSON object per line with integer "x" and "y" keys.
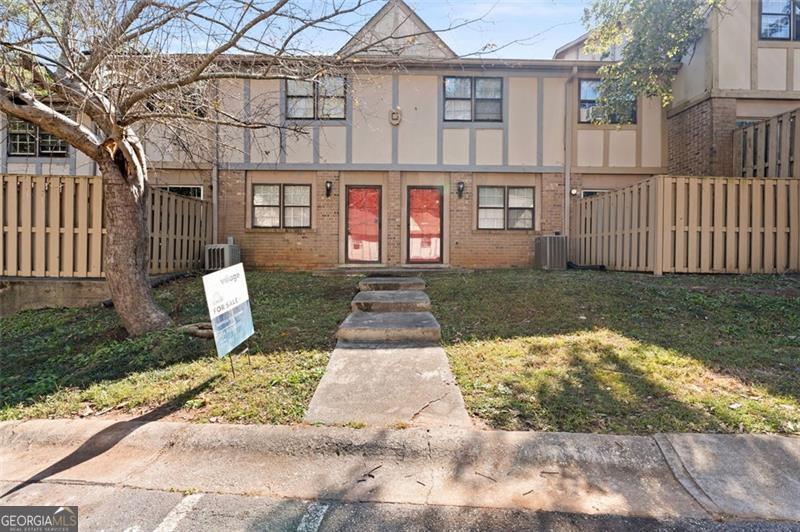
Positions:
{"x": 114, "y": 508}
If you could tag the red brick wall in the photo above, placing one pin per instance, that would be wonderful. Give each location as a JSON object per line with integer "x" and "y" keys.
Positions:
{"x": 700, "y": 138}
{"x": 290, "y": 249}
{"x": 473, "y": 248}
{"x": 318, "y": 247}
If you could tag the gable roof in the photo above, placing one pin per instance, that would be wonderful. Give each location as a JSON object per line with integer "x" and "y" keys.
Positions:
{"x": 396, "y": 30}
{"x": 574, "y": 43}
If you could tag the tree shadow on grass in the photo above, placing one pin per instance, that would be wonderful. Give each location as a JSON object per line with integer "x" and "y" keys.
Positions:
{"x": 44, "y": 351}
{"x": 110, "y": 436}
{"x": 746, "y": 328}
{"x": 586, "y": 386}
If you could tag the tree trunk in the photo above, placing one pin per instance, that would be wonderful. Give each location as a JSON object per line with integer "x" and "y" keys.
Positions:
{"x": 127, "y": 245}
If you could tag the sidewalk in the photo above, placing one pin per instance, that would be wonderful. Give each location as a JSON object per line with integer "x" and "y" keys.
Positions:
{"x": 668, "y": 476}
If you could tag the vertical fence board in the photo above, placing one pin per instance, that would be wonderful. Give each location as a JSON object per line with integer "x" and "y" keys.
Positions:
{"x": 3, "y": 221}
{"x": 794, "y": 223}
{"x": 718, "y": 261}
{"x": 693, "y": 229}
{"x": 12, "y": 218}
{"x": 744, "y": 226}
{"x": 783, "y": 150}
{"x": 68, "y": 232}
{"x": 82, "y": 242}
{"x": 749, "y": 134}
{"x": 738, "y": 139}
{"x": 96, "y": 244}
{"x": 26, "y": 212}
{"x": 54, "y": 227}
{"x": 769, "y": 225}
{"x": 38, "y": 218}
{"x": 706, "y": 224}
{"x": 756, "y": 226}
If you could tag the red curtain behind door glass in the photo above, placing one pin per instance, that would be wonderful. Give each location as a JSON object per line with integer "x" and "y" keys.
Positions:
{"x": 424, "y": 225}
{"x": 363, "y": 224}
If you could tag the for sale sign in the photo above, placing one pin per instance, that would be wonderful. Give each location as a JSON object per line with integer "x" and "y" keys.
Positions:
{"x": 229, "y": 307}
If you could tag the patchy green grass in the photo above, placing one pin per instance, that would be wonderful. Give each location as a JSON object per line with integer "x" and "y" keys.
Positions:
{"x": 567, "y": 351}
{"x": 80, "y": 362}
{"x": 622, "y": 352}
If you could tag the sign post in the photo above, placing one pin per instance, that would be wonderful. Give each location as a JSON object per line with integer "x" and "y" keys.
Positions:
{"x": 229, "y": 308}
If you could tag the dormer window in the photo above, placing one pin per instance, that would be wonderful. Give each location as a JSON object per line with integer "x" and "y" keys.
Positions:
{"x": 779, "y": 20}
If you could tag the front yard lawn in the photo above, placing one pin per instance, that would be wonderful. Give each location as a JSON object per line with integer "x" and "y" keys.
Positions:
{"x": 565, "y": 351}
{"x": 79, "y": 362}
{"x": 622, "y": 352}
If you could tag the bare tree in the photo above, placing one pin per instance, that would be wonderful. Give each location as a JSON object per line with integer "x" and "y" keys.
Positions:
{"x": 95, "y": 73}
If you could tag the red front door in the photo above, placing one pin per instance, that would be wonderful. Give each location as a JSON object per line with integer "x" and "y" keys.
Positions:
{"x": 425, "y": 209}
{"x": 363, "y": 223}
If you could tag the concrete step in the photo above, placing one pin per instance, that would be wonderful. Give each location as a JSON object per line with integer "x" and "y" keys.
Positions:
{"x": 391, "y": 283}
{"x": 391, "y": 301}
{"x": 390, "y": 327}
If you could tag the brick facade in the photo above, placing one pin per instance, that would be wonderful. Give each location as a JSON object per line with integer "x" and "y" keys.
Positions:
{"x": 700, "y": 138}
{"x": 289, "y": 249}
{"x": 319, "y": 246}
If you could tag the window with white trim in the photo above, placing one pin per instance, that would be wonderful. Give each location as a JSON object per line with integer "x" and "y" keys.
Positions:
{"x": 320, "y": 99}
{"x": 477, "y": 99}
{"x": 276, "y": 206}
{"x": 501, "y": 207}
{"x": 28, "y": 140}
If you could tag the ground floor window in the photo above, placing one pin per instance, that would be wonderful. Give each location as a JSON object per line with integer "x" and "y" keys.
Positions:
{"x": 28, "y": 140}
{"x": 284, "y": 205}
{"x": 190, "y": 191}
{"x": 590, "y": 193}
{"x": 505, "y": 207}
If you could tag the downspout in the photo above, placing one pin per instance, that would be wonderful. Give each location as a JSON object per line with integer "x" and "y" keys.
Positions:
{"x": 215, "y": 178}
{"x": 568, "y": 125}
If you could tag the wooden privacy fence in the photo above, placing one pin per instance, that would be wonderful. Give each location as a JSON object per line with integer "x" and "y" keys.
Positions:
{"x": 52, "y": 226}
{"x": 767, "y": 148}
{"x": 691, "y": 225}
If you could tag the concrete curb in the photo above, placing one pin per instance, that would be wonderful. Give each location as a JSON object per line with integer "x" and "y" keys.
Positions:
{"x": 577, "y": 473}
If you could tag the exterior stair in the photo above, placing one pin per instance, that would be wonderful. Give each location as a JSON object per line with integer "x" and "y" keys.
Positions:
{"x": 391, "y": 283}
{"x": 391, "y": 301}
{"x": 390, "y": 327}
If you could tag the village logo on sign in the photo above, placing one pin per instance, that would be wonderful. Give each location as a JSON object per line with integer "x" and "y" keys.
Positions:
{"x": 229, "y": 307}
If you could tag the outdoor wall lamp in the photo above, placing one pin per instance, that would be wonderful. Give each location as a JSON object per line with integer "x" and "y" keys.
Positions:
{"x": 574, "y": 192}
{"x": 460, "y": 189}
{"x": 328, "y": 188}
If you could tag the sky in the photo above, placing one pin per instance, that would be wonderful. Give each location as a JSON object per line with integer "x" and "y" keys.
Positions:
{"x": 520, "y": 29}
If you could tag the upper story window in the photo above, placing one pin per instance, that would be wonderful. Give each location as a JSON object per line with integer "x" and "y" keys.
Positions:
{"x": 587, "y": 101}
{"x": 321, "y": 99}
{"x": 780, "y": 20}
{"x": 28, "y": 140}
{"x": 473, "y": 99}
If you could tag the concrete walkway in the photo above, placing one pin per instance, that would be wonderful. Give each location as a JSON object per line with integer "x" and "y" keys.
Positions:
{"x": 388, "y": 369}
{"x": 680, "y": 477}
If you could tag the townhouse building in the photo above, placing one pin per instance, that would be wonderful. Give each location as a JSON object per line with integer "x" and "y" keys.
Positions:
{"x": 432, "y": 160}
